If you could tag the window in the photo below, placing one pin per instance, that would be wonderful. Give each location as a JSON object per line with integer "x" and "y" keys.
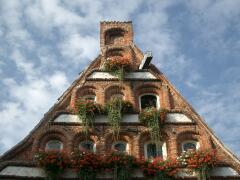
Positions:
{"x": 114, "y": 35}
{"x": 87, "y": 146}
{"x": 90, "y": 98}
{"x": 55, "y": 145}
{"x": 152, "y": 150}
{"x": 149, "y": 100}
{"x": 120, "y": 146}
{"x": 190, "y": 146}
{"x": 118, "y": 96}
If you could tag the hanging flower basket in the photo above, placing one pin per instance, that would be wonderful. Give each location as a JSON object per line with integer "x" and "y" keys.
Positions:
{"x": 121, "y": 165}
{"x": 86, "y": 164}
{"x": 118, "y": 66}
{"x": 160, "y": 169}
{"x": 200, "y": 162}
{"x": 53, "y": 163}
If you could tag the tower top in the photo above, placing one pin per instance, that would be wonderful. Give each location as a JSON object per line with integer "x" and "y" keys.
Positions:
{"x": 115, "y": 33}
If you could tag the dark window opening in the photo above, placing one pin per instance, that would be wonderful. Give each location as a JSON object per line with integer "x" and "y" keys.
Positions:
{"x": 114, "y": 35}
{"x": 189, "y": 146}
{"x": 153, "y": 151}
{"x": 120, "y": 147}
{"x": 148, "y": 101}
{"x": 86, "y": 146}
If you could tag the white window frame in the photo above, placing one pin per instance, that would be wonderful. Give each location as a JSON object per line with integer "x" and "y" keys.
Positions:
{"x": 190, "y": 141}
{"x": 89, "y": 96}
{"x": 51, "y": 141}
{"x": 152, "y": 94}
{"x": 89, "y": 141}
{"x": 124, "y": 142}
{"x": 160, "y": 144}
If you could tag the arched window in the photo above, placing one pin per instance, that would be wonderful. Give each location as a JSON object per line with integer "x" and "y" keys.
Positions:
{"x": 149, "y": 100}
{"x": 190, "y": 146}
{"x": 54, "y": 145}
{"x": 114, "y": 35}
{"x": 153, "y": 150}
{"x": 88, "y": 146}
{"x": 120, "y": 146}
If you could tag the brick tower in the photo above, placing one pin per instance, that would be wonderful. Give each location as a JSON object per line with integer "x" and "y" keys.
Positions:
{"x": 137, "y": 82}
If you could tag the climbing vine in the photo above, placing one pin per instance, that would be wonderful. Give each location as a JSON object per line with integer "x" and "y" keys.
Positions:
{"x": 86, "y": 110}
{"x": 115, "y": 109}
{"x": 154, "y": 120}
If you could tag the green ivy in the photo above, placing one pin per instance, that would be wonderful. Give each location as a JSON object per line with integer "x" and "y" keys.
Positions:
{"x": 114, "y": 115}
{"x": 115, "y": 109}
{"x": 154, "y": 120}
{"x": 203, "y": 173}
{"x": 86, "y": 111}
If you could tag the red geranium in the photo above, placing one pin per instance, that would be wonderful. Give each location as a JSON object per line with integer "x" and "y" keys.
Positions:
{"x": 86, "y": 163}
{"x": 53, "y": 162}
{"x": 160, "y": 168}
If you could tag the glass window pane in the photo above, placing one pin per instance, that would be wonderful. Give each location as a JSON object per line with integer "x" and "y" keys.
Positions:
{"x": 86, "y": 146}
{"x": 151, "y": 150}
{"x": 148, "y": 101}
{"x": 154, "y": 150}
{"x": 121, "y": 147}
{"x": 54, "y": 145}
{"x": 189, "y": 146}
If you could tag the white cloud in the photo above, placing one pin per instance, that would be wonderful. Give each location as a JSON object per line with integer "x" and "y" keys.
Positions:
{"x": 76, "y": 48}
{"x": 219, "y": 105}
{"x": 51, "y": 14}
{"x": 212, "y": 21}
{"x": 28, "y": 101}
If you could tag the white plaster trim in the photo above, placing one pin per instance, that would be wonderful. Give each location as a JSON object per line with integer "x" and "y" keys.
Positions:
{"x": 223, "y": 171}
{"x": 127, "y": 118}
{"x": 178, "y": 118}
{"x": 69, "y": 118}
{"x": 23, "y": 171}
{"x": 130, "y": 75}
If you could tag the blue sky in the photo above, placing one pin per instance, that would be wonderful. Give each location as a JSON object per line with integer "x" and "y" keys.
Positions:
{"x": 45, "y": 44}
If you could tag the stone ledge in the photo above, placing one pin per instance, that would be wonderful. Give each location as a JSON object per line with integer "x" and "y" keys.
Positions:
{"x": 35, "y": 172}
{"x": 127, "y": 118}
{"x": 130, "y": 75}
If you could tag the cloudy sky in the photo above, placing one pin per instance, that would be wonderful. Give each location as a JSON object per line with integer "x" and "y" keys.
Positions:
{"x": 44, "y": 44}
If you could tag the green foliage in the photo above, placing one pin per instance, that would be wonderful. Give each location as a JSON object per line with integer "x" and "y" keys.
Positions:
{"x": 117, "y": 66}
{"x": 203, "y": 173}
{"x": 52, "y": 162}
{"x": 87, "y": 164}
{"x": 121, "y": 165}
{"x": 86, "y": 111}
{"x": 115, "y": 109}
{"x": 154, "y": 119}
